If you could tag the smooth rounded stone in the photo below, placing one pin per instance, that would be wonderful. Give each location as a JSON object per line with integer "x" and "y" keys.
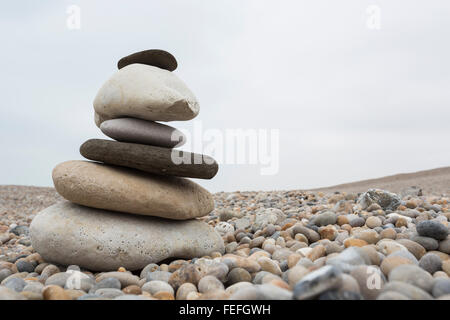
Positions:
{"x": 440, "y": 274}
{"x": 415, "y": 248}
{"x": 413, "y": 275}
{"x": 246, "y": 293}
{"x": 353, "y": 242}
{"x": 296, "y": 274}
{"x": 392, "y": 295}
{"x": 223, "y": 228}
{"x": 114, "y": 188}
{"x": 125, "y": 278}
{"x": 266, "y": 217}
{"x": 20, "y": 275}
{"x": 257, "y": 242}
{"x": 34, "y": 286}
{"x": 444, "y": 246}
{"x": 259, "y": 276}
{"x": 109, "y": 293}
{"x": 317, "y": 282}
{"x": 53, "y": 292}
{"x": 147, "y": 93}
{"x": 131, "y": 297}
{"x": 324, "y": 219}
{"x": 237, "y": 286}
{"x": 151, "y": 267}
{"x": 58, "y": 279}
{"x": 357, "y": 222}
{"x": 369, "y": 236}
{"x": 29, "y": 295}
{"x": 5, "y": 273}
{"x": 392, "y": 262}
{"x": 349, "y": 284}
{"x": 446, "y": 266}
{"x": 373, "y": 255}
{"x": 212, "y": 268}
{"x": 153, "y": 57}
{"x": 95, "y": 239}
{"x": 406, "y": 289}
{"x": 24, "y": 266}
{"x": 281, "y": 254}
{"x": 373, "y": 222}
{"x": 78, "y": 281}
{"x": 108, "y": 282}
{"x": 150, "y": 159}
{"x": 432, "y": 229}
{"x": 143, "y": 132}
{"x": 310, "y": 234}
{"x": 370, "y": 281}
{"x": 388, "y": 233}
{"x": 16, "y": 284}
{"x": 9, "y": 294}
{"x": 209, "y": 283}
{"x": 426, "y": 242}
{"x": 404, "y": 253}
{"x": 430, "y": 263}
{"x": 133, "y": 289}
{"x": 340, "y": 295}
{"x": 235, "y": 261}
{"x": 242, "y": 223}
{"x": 443, "y": 256}
{"x": 187, "y": 273}
{"x": 269, "y": 291}
{"x": 385, "y": 199}
{"x": 349, "y": 259}
{"x": 238, "y": 275}
{"x": 441, "y": 287}
{"x": 156, "y": 286}
{"x": 184, "y": 290}
{"x": 269, "y": 265}
{"x": 159, "y": 275}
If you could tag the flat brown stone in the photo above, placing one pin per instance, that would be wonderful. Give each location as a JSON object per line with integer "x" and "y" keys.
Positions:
{"x": 150, "y": 159}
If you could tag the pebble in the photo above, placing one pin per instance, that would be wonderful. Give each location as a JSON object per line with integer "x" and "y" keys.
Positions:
{"x": 184, "y": 290}
{"x": 441, "y": 287}
{"x": 370, "y": 281}
{"x": 373, "y": 222}
{"x": 54, "y": 292}
{"x": 188, "y": 273}
{"x": 159, "y": 275}
{"x": 426, "y": 242}
{"x": 432, "y": 229}
{"x": 8, "y": 294}
{"x": 444, "y": 246}
{"x": 316, "y": 282}
{"x": 156, "y": 286}
{"x": 413, "y": 275}
{"x": 430, "y": 263}
{"x": 238, "y": 275}
{"x": 392, "y": 262}
{"x": 348, "y": 259}
{"x": 106, "y": 282}
{"x": 408, "y": 290}
{"x": 109, "y": 293}
{"x": 209, "y": 283}
{"x": 16, "y": 284}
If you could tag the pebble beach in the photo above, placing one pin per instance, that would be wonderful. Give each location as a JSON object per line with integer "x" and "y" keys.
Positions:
{"x": 279, "y": 245}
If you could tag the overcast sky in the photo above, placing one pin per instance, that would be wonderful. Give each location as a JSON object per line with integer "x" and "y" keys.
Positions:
{"x": 350, "y": 101}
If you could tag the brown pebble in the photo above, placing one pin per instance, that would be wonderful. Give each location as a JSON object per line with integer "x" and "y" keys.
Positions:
{"x": 53, "y": 292}
{"x": 133, "y": 289}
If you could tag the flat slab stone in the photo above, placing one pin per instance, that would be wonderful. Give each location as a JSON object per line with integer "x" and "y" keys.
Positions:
{"x": 150, "y": 158}
{"x": 143, "y": 132}
{"x": 100, "y": 240}
{"x": 145, "y": 92}
{"x": 127, "y": 190}
{"x": 153, "y": 57}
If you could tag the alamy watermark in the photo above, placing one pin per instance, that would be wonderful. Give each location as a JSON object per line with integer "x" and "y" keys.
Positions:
{"x": 231, "y": 146}
{"x": 373, "y": 21}
{"x": 73, "y": 21}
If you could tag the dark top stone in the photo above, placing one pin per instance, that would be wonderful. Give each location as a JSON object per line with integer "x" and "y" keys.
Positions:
{"x": 150, "y": 159}
{"x": 154, "y": 57}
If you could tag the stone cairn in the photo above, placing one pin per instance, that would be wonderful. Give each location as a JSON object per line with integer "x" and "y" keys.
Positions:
{"x": 133, "y": 205}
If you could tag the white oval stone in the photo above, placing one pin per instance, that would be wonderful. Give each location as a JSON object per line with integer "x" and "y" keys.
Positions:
{"x": 100, "y": 240}
{"x": 145, "y": 92}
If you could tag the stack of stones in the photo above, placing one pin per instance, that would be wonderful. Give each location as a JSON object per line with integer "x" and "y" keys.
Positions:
{"x": 133, "y": 205}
